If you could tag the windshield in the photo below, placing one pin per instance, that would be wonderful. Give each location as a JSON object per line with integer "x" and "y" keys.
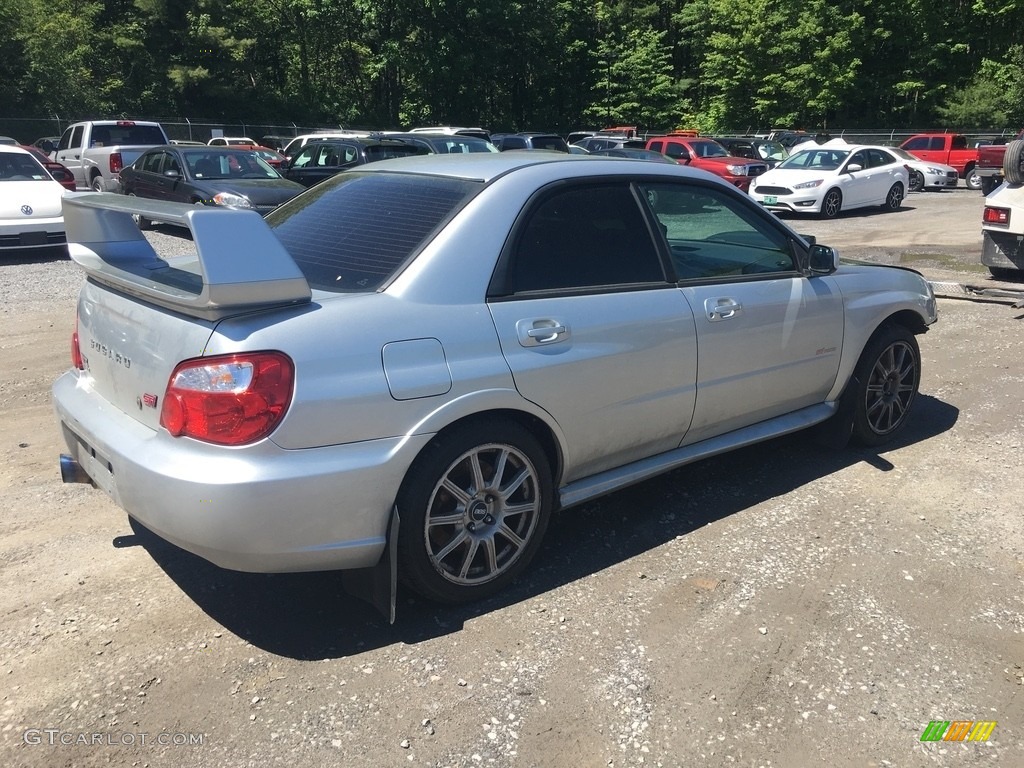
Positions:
{"x": 354, "y": 231}
{"x": 771, "y": 150}
{"x": 815, "y": 159}
{"x": 376, "y": 152}
{"x": 902, "y": 154}
{"x": 243, "y": 164}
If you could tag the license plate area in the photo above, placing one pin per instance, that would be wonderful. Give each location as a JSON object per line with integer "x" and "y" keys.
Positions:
{"x": 96, "y": 465}
{"x": 33, "y": 238}
{"x": 770, "y": 199}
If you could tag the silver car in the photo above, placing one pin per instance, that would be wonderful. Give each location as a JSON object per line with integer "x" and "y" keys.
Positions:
{"x": 408, "y": 368}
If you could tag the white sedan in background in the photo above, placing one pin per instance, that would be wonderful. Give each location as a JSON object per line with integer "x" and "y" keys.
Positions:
{"x": 30, "y": 203}
{"x": 828, "y": 178}
{"x": 925, "y": 175}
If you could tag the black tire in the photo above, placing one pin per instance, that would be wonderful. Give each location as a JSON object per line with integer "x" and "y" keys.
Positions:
{"x": 988, "y": 183}
{"x": 886, "y": 377}
{"x": 1005, "y": 273}
{"x": 1013, "y": 162}
{"x": 466, "y": 532}
{"x": 894, "y": 197}
{"x": 916, "y": 181}
{"x": 141, "y": 221}
{"x": 972, "y": 179}
{"x": 831, "y": 204}
{"x": 97, "y": 184}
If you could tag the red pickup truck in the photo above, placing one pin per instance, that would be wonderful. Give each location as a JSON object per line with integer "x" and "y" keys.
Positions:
{"x": 708, "y": 155}
{"x": 990, "y": 164}
{"x": 949, "y": 149}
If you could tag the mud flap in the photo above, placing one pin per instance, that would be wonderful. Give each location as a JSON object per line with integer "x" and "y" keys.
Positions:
{"x": 835, "y": 432}
{"x": 378, "y": 584}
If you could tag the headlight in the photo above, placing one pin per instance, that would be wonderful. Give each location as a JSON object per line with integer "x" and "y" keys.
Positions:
{"x": 935, "y": 171}
{"x": 231, "y": 200}
{"x": 809, "y": 184}
{"x": 737, "y": 170}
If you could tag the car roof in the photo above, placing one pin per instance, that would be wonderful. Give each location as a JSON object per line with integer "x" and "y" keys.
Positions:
{"x": 487, "y": 166}
{"x": 14, "y": 149}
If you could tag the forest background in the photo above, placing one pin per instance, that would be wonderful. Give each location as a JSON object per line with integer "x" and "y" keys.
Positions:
{"x": 714, "y": 65}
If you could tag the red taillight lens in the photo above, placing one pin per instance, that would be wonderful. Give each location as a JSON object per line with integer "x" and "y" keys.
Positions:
{"x": 115, "y": 162}
{"x": 229, "y": 399}
{"x": 999, "y": 217}
{"x": 76, "y": 349}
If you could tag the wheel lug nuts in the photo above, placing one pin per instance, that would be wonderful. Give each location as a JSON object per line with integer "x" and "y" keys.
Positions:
{"x": 470, "y": 527}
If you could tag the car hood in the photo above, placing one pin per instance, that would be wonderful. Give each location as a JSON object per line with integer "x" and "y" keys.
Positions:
{"x": 783, "y": 177}
{"x": 258, "y": 191}
{"x": 42, "y": 196}
{"x": 729, "y": 160}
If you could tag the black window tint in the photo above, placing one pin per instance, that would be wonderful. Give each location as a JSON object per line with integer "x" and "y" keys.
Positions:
{"x": 713, "y": 235}
{"x": 151, "y": 162}
{"x": 585, "y": 237}
{"x": 916, "y": 144}
{"x": 353, "y": 233}
{"x": 555, "y": 143}
{"x": 878, "y": 158}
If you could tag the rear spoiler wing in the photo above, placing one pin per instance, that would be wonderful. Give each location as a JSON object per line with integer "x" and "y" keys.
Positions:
{"x": 238, "y": 264}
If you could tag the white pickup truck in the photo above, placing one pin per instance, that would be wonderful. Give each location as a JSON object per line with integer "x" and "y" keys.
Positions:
{"x": 96, "y": 150}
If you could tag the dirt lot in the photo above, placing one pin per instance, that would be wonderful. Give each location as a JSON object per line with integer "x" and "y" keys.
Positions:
{"x": 785, "y": 605}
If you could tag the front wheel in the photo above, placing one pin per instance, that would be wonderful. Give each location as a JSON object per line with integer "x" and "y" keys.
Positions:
{"x": 474, "y": 508}
{"x": 973, "y": 179}
{"x": 887, "y": 377}
{"x": 916, "y": 181}
{"x": 832, "y": 204}
{"x": 894, "y": 198}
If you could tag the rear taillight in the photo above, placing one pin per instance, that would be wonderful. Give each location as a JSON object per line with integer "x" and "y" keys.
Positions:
{"x": 997, "y": 217}
{"x": 76, "y": 349}
{"x": 115, "y": 162}
{"x": 228, "y": 399}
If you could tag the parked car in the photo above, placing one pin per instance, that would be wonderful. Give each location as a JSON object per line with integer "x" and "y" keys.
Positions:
{"x": 60, "y": 173}
{"x": 1002, "y": 222}
{"x": 689, "y": 149}
{"x": 231, "y": 141}
{"x": 597, "y": 143}
{"x": 216, "y": 176}
{"x": 534, "y": 331}
{"x": 948, "y": 149}
{"x": 30, "y": 202}
{"x": 452, "y": 130}
{"x": 8, "y": 141}
{"x": 575, "y": 136}
{"x": 771, "y": 153}
{"x": 834, "y": 177}
{"x": 321, "y": 159}
{"x": 97, "y": 150}
{"x": 297, "y": 143}
{"x": 531, "y": 140}
{"x": 275, "y": 141}
{"x": 47, "y": 144}
{"x": 924, "y": 175}
{"x": 444, "y": 143}
{"x": 989, "y": 167}
{"x": 271, "y": 157}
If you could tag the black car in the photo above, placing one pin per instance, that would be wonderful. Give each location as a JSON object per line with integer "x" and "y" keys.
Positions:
{"x": 529, "y": 140}
{"x": 770, "y": 151}
{"x": 445, "y": 143}
{"x": 233, "y": 178}
{"x": 322, "y": 158}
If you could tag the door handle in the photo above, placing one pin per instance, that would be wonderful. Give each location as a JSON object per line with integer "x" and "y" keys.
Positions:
{"x": 722, "y": 309}
{"x": 536, "y": 332}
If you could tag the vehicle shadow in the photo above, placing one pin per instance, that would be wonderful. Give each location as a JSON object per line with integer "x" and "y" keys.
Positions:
{"x": 15, "y": 256}
{"x": 310, "y": 616}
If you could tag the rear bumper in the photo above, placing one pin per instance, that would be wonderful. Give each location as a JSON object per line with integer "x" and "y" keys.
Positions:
{"x": 1004, "y": 250}
{"x": 258, "y": 508}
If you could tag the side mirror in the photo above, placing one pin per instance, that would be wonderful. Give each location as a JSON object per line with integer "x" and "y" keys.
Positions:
{"x": 823, "y": 260}
{"x": 47, "y": 147}
{"x": 854, "y": 167}
{"x": 170, "y": 173}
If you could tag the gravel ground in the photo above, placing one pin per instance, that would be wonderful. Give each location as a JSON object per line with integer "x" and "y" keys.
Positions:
{"x": 783, "y": 605}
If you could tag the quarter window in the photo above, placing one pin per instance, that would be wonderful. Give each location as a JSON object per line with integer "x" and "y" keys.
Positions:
{"x": 713, "y": 236}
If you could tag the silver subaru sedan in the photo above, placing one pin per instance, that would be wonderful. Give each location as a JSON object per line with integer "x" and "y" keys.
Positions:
{"x": 406, "y": 370}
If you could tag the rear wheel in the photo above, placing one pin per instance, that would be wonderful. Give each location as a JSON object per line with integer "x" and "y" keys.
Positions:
{"x": 96, "y": 184}
{"x": 894, "y": 199}
{"x": 474, "y": 508}
{"x": 832, "y": 204}
{"x": 141, "y": 221}
{"x": 887, "y": 378}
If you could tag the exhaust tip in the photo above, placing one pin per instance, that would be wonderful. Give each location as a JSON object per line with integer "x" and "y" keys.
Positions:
{"x": 71, "y": 471}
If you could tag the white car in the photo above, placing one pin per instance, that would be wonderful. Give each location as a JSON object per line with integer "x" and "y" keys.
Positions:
{"x": 30, "y": 202}
{"x": 828, "y": 178}
{"x": 232, "y": 141}
{"x": 1002, "y": 222}
{"x": 925, "y": 175}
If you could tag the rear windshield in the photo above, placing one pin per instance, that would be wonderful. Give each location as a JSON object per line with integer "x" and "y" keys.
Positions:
{"x": 111, "y": 135}
{"x": 556, "y": 143}
{"x": 353, "y": 232}
{"x": 385, "y": 151}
